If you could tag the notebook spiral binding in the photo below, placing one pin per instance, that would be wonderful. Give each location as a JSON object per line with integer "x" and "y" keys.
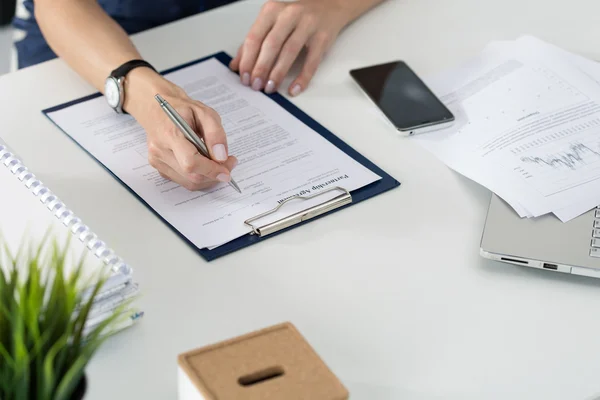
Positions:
{"x": 62, "y": 213}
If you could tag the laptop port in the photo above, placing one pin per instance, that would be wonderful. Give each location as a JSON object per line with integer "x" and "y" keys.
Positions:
{"x": 513, "y": 260}
{"x": 550, "y": 266}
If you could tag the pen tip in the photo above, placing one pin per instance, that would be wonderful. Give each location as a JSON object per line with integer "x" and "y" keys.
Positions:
{"x": 235, "y": 186}
{"x": 159, "y": 98}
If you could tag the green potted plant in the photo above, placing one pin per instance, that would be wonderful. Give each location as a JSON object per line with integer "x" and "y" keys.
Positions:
{"x": 44, "y": 343}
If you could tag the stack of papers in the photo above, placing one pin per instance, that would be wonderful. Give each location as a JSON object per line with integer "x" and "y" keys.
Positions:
{"x": 111, "y": 301}
{"x": 527, "y": 126}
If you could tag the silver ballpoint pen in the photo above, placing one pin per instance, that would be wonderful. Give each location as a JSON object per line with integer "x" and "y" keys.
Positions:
{"x": 188, "y": 132}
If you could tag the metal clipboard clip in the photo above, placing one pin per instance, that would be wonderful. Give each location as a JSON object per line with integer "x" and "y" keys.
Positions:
{"x": 285, "y": 222}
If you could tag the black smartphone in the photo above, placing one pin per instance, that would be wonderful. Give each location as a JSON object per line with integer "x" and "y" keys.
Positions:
{"x": 403, "y": 97}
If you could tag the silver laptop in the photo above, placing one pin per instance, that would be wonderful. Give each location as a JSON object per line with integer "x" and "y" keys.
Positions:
{"x": 545, "y": 242}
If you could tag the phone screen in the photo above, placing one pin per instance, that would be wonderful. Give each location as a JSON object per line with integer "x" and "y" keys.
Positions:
{"x": 401, "y": 95}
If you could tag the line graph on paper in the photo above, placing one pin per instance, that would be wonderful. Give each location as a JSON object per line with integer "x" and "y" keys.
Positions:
{"x": 560, "y": 162}
{"x": 575, "y": 156}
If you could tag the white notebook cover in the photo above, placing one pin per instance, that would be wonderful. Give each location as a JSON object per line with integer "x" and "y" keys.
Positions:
{"x": 29, "y": 210}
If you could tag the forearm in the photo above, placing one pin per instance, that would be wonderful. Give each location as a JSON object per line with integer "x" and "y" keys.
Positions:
{"x": 82, "y": 34}
{"x": 93, "y": 44}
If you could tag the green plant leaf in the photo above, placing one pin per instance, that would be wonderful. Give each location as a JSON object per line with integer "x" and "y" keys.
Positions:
{"x": 50, "y": 380}
{"x": 43, "y": 316}
{"x": 72, "y": 377}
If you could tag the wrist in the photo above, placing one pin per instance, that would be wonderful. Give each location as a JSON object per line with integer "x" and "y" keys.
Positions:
{"x": 141, "y": 84}
{"x": 344, "y": 10}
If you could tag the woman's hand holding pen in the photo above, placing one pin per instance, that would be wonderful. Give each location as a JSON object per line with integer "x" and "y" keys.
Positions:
{"x": 175, "y": 157}
{"x": 274, "y": 42}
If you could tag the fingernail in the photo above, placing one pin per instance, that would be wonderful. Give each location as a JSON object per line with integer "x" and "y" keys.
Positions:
{"x": 296, "y": 90}
{"x": 223, "y": 178}
{"x": 219, "y": 152}
{"x": 257, "y": 84}
{"x": 235, "y": 163}
{"x": 270, "y": 88}
{"x": 246, "y": 79}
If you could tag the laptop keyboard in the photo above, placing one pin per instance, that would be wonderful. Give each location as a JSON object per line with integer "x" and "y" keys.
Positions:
{"x": 595, "y": 245}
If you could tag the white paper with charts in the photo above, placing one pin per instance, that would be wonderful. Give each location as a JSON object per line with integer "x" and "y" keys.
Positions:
{"x": 589, "y": 67}
{"x": 528, "y": 127}
{"x": 279, "y": 157}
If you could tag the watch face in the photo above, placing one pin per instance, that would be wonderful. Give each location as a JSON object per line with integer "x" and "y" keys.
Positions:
{"x": 111, "y": 92}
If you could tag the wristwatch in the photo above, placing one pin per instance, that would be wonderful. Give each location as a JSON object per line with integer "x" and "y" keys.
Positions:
{"x": 114, "y": 86}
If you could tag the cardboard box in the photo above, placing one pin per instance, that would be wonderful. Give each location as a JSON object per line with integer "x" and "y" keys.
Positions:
{"x": 272, "y": 363}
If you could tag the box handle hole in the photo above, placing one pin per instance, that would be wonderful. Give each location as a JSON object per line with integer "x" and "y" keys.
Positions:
{"x": 261, "y": 376}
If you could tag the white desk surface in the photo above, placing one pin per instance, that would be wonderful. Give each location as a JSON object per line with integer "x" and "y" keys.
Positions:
{"x": 392, "y": 292}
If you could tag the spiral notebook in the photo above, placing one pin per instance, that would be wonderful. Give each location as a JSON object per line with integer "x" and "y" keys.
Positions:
{"x": 30, "y": 212}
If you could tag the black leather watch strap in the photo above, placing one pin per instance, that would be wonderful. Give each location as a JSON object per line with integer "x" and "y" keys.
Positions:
{"x": 124, "y": 69}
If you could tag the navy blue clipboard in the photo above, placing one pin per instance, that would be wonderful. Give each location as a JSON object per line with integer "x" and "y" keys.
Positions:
{"x": 384, "y": 184}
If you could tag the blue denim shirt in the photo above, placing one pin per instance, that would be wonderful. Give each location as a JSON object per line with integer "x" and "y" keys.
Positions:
{"x": 133, "y": 15}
